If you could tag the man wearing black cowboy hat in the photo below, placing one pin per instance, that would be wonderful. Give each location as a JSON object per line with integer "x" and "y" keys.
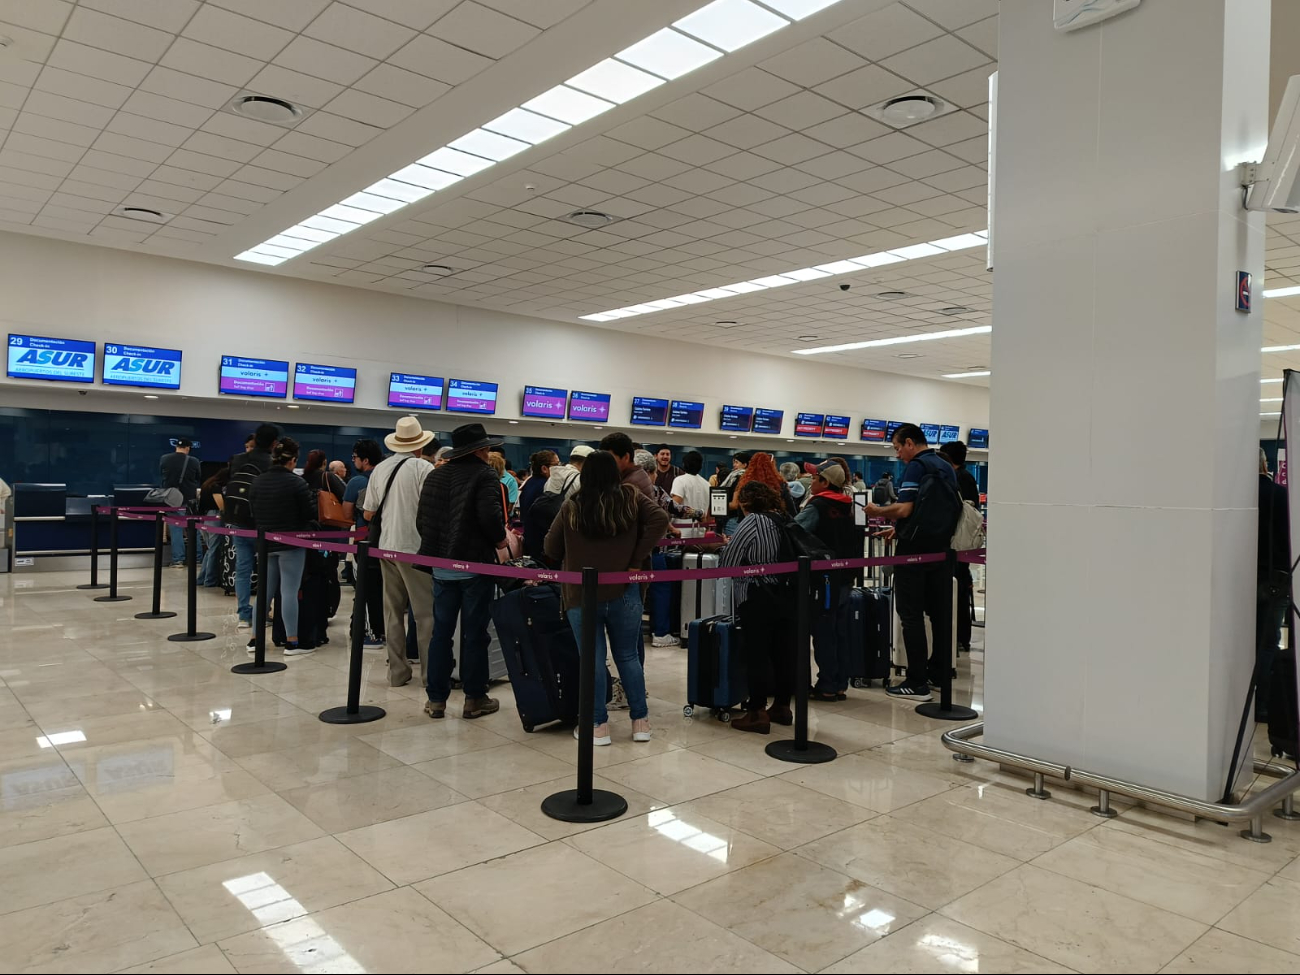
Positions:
{"x": 462, "y": 517}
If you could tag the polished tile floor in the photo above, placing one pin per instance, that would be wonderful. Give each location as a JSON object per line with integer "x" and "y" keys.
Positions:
{"x": 161, "y": 814}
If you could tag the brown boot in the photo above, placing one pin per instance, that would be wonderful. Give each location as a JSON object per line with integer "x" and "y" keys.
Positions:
{"x": 476, "y": 707}
{"x": 755, "y": 721}
{"x": 781, "y": 714}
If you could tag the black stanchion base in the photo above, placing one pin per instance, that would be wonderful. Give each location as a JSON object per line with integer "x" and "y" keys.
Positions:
{"x": 270, "y": 667}
{"x": 111, "y": 599}
{"x": 93, "y": 585}
{"x": 341, "y": 715}
{"x": 191, "y": 637}
{"x": 813, "y": 752}
{"x": 163, "y": 615}
{"x": 565, "y": 807}
{"x": 955, "y": 713}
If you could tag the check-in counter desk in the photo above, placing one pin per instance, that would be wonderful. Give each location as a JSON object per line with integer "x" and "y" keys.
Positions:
{"x": 47, "y": 521}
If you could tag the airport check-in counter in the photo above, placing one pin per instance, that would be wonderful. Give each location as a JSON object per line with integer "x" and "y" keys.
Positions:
{"x": 49, "y": 522}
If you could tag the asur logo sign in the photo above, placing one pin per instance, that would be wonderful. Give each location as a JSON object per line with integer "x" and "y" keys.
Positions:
{"x": 149, "y": 367}
{"x": 49, "y": 357}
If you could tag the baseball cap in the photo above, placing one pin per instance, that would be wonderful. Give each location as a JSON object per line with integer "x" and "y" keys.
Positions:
{"x": 582, "y": 450}
{"x": 833, "y": 473}
{"x": 184, "y": 442}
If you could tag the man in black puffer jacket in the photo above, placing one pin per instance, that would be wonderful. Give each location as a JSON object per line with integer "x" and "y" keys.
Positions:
{"x": 462, "y": 517}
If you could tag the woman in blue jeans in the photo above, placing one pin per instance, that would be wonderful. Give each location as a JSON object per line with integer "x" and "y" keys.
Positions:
{"x": 282, "y": 502}
{"x": 610, "y": 527}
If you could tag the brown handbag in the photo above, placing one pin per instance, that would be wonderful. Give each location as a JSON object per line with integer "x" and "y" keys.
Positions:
{"x": 329, "y": 509}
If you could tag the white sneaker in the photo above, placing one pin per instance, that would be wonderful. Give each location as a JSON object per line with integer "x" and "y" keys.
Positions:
{"x": 298, "y": 651}
{"x": 619, "y": 701}
{"x": 244, "y": 625}
{"x": 667, "y": 640}
{"x": 642, "y": 733}
{"x": 598, "y": 739}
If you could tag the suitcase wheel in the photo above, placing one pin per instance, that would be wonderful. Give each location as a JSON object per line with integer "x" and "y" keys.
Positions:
{"x": 529, "y": 728}
{"x": 687, "y": 711}
{"x": 722, "y": 714}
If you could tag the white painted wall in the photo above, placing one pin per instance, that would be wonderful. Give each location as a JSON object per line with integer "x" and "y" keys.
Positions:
{"x": 76, "y": 291}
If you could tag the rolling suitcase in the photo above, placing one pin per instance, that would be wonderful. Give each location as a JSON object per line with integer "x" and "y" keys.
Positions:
{"x": 870, "y": 635}
{"x": 313, "y": 613}
{"x": 715, "y": 667}
{"x": 1283, "y": 711}
{"x": 540, "y": 653}
{"x": 703, "y": 597}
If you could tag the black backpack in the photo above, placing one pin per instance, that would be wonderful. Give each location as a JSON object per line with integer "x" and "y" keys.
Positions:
{"x": 937, "y": 508}
{"x": 542, "y": 512}
{"x": 796, "y": 541}
{"x": 239, "y": 498}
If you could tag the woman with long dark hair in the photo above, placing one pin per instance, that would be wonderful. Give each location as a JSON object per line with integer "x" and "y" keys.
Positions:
{"x": 282, "y": 502}
{"x": 318, "y": 476}
{"x": 611, "y": 527}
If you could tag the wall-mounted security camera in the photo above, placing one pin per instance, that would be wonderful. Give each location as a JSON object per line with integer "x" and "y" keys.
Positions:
{"x": 81, "y": 392}
{"x": 1274, "y": 181}
{"x": 845, "y": 287}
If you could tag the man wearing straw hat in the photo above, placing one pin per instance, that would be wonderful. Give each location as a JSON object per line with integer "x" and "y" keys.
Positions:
{"x": 394, "y": 491}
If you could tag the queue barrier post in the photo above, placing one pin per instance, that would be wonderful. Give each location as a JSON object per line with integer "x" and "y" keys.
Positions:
{"x": 586, "y": 804}
{"x": 945, "y": 710}
{"x": 259, "y": 664}
{"x": 112, "y": 596}
{"x": 157, "y": 612}
{"x": 191, "y": 634}
{"x": 799, "y": 749}
{"x": 94, "y": 582}
{"x": 354, "y": 712}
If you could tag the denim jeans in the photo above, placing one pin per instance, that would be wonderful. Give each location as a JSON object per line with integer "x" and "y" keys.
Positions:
{"x": 178, "y": 543}
{"x": 661, "y": 599}
{"x": 467, "y": 600}
{"x": 210, "y": 570}
{"x": 831, "y": 640}
{"x": 245, "y": 563}
{"x": 621, "y": 619}
{"x": 284, "y": 567}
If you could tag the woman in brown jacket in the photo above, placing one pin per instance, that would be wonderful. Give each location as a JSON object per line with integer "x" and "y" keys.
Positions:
{"x": 610, "y": 527}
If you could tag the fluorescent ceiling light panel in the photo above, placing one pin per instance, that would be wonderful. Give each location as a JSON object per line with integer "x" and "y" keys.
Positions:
{"x": 376, "y": 204}
{"x": 669, "y": 54}
{"x": 320, "y": 222}
{"x": 954, "y": 333}
{"x": 309, "y": 233}
{"x": 710, "y": 294}
{"x": 253, "y": 257}
{"x": 417, "y": 175}
{"x": 526, "y": 126}
{"x": 665, "y": 303}
{"x": 839, "y": 267}
{"x": 730, "y": 24}
{"x": 1274, "y": 399}
{"x": 290, "y": 243}
{"x": 745, "y": 287}
{"x": 351, "y": 214}
{"x": 1281, "y": 292}
{"x": 967, "y": 375}
{"x": 877, "y": 260}
{"x": 489, "y": 145}
{"x": 451, "y": 160}
{"x": 807, "y": 274}
{"x": 1270, "y": 380}
{"x": 615, "y": 81}
{"x": 397, "y": 190}
{"x": 1270, "y": 414}
{"x": 799, "y": 9}
{"x": 960, "y": 242}
{"x": 603, "y": 317}
{"x": 914, "y": 251}
{"x": 568, "y": 105}
{"x": 691, "y": 299}
{"x": 1280, "y": 348}
{"x": 268, "y": 248}
{"x": 776, "y": 281}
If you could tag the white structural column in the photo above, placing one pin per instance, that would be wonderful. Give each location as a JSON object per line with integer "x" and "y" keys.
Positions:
{"x": 1121, "y": 562}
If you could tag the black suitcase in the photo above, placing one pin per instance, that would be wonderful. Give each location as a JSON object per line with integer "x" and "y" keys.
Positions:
{"x": 870, "y": 635}
{"x": 1283, "y": 710}
{"x": 715, "y": 667}
{"x": 313, "y": 607}
{"x": 541, "y": 654}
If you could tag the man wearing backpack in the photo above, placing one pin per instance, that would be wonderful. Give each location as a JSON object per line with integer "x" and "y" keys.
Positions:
{"x": 926, "y": 514}
{"x": 238, "y": 512}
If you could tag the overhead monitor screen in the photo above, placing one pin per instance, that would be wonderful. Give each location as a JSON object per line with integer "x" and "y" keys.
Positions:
{"x": 768, "y": 421}
{"x": 589, "y": 406}
{"x": 891, "y": 428}
{"x": 544, "y": 402}
{"x": 330, "y": 384}
{"x": 809, "y": 424}
{"x": 649, "y": 412}
{"x": 254, "y": 377}
{"x": 406, "y": 389}
{"x": 59, "y": 360}
{"x": 931, "y": 431}
{"x": 686, "y": 414}
{"x": 737, "y": 419}
{"x": 874, "y": 431}
{"x": 471, "y": 396}
{"x": 139, "y": 365}
{"x": 978, "y": 438}
{"x": 947, "y": 434}
{"x": 837, "y": 427}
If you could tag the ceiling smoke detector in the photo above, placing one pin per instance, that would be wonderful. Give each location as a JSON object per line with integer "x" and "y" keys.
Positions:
{"x": 441, "y": 270}
{"x": 909, "y": 109}
{"x": 266, "y": 108}
{"x": 589, "y": 219}
{"x": 145, "y": 214}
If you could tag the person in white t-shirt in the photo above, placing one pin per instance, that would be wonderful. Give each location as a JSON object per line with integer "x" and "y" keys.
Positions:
{"x": 396, "y": 483}
{"x": 690, "y": 489}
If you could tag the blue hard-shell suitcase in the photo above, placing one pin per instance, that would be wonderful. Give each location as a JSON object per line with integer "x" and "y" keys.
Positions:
{"x": 715, "y": 667}
{"x": 870, "y": 635}
{"x": 541, "y": 654}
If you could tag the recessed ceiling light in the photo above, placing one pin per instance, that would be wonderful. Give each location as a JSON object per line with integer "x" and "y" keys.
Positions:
{"x": 441, "y": 270}
{"x": 489, "y": 145}
{"x": 808, "y": 338}
{"x": 669, "y": 54}
{"x": 614, "y": 80}
{"x": 891, "y": 295}
{"x": 954, "y": 310}
{"x": 568, "y": 105}
{"x": 730, "y": 24}
{"x": 292, "y": 406}
{"x": 907, "y": 109}
{"x": 150, "y": 395}
{"x": 146, "y": 214}
{"x": 908, "y": 355}
{"x": 967, "y": 375}
{"x": 513, "y": 422}
{"x": 726, "y": 323}
{"x": 590, "y": 219}
{"x": 266, "y": 108}
{"x": 526, "y": 126}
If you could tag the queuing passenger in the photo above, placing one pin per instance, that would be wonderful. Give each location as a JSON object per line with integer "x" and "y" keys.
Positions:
{"x": 339, "y": 470}
{"x": 661, "y": 593}
{"x": 460, "y": 518}
{"x": 255, "y": 458}
{"x": 366, "y": 456}
{"x": 806, "y": 478}
{"x": 283, "y": 502}
{"x": 689, "y": 488}
{"x": 921, "y": 590}
{"x": 1273, "y": 589}
{"x": 739, "y": 461}
{"x": 430, "y": 450}
{"x": 610, "y": 525}
{"x": 828, "y": 514}
{"x": 665, "y": 471}
{"x": 211, "y": 501}
{"x": 624, "y": 451}
{"x": 766, "y": 611}
{"x": 566, "y": 475}
{"x": 440, "y": 456}
{"x": 762, "y": 468}
{"x": 320, "y": 478}
{"x": 507, "y": 478}
{"x": 560, "y": 484}
{"x": 955, "y": 453}
{"x": 882, "y": 492}
{"x": 498, "y": 464}
{"x": 180, "y": 471}
{"x": 540, "y": 465}
{"x": 857, "y": 487}
{"x": 394, "y": 491}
